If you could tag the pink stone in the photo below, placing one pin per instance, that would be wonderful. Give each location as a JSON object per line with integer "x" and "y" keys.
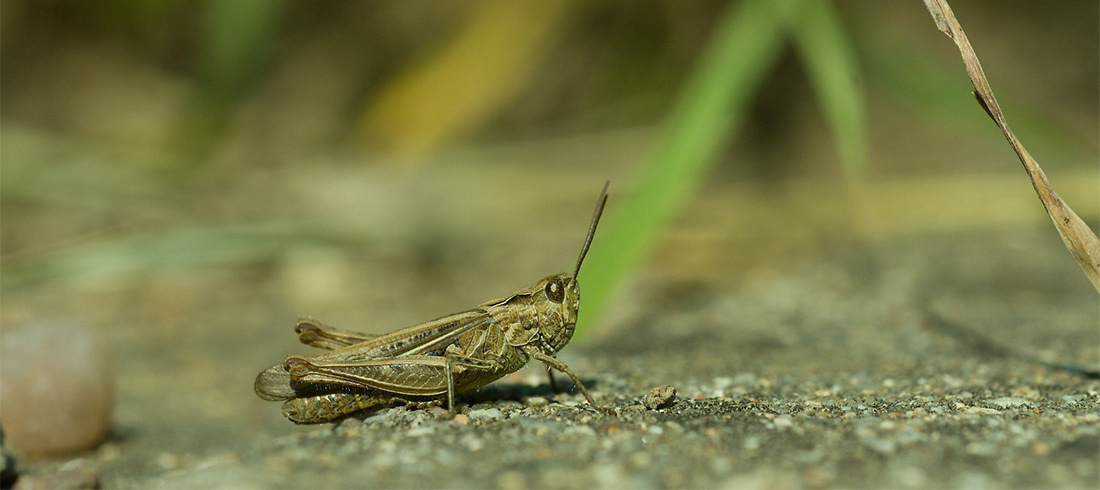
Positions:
{"x": 56, "y": 388}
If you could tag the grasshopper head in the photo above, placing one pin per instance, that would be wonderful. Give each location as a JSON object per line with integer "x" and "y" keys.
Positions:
{"x": 558, "y": 302}
{"x": 560, "y": 296}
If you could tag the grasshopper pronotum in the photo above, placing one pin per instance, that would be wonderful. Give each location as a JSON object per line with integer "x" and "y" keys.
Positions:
{"x": 423, "y": 364}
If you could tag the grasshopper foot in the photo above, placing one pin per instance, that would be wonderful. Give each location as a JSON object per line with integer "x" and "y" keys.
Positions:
{"x": 605, "y": 410}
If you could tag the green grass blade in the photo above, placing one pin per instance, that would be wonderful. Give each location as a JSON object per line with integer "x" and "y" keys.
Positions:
{"x": 745, "y": 46}
{"x": 830, "y": 63}
{"x": 236, "y": 41}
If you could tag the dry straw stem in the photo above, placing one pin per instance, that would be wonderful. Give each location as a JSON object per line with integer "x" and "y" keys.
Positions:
{"x": 1079, "y": 239}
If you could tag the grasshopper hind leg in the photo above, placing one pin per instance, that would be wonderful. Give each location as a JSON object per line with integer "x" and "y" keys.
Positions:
{"x": 320, "y": 409}
{"x": 317, "y": 334}
{"x": 332, "y": 407}
{"x": 552, "y": 362}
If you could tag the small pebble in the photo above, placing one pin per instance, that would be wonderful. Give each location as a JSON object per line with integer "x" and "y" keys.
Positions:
{"x": 56, "y": 388}
{"x": 439, "y": 413}
{"x": 659, "y": 397}
{"x": 536, "y": 401}
{"x": 486, "y": 414}
{"x": 1008, "y": 402}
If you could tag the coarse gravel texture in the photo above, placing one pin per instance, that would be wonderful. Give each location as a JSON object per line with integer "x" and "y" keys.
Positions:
{"x": 917, "y": 436}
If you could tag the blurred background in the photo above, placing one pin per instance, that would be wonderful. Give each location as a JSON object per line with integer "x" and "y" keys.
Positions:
{"x": 190, "y": 177}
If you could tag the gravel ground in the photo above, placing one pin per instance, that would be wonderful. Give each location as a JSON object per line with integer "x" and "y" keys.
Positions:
{"x": 908, "y": 435}
{"x": 896, "y": 366}
{"x": 908, "y": 363}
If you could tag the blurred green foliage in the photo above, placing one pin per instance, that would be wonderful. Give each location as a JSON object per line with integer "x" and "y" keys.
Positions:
{"x": 237, "y": 40}
{"x": 131, "y": 112}
{"x": 746, "y": 45}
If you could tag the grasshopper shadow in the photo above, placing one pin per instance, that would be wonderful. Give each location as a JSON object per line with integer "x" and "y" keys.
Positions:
{"x": 516, "y": 392}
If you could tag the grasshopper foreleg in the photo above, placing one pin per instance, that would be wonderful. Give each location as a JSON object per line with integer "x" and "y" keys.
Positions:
{"x": 553, "y": 382}
{"x": 553, "y": 362}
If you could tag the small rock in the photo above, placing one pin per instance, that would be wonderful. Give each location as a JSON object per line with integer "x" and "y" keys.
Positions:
{"x": 56, "y": 388}
{"x": 1008, "y": 402}
{"x": 439, "y": 413}
{"x": 536, "y": 401}
{"x": 462, "y": 419}
{"x": 390, "y": 417}
{"x": 485, "y": 414}
{"x": 659, "y": 397}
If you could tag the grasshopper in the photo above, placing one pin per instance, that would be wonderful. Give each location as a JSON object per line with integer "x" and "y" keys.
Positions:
{"x": 425, "y": 363}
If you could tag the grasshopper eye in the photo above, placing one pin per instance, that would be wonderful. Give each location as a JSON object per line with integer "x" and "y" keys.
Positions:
{"x": 555, "y": 291}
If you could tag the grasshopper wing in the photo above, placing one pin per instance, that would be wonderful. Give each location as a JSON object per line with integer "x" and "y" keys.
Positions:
{"x": 423, "y": 338}
{"x": 273, "y": 384}
{"x": 407, "y": 375}
{"x": 408, "y": 361}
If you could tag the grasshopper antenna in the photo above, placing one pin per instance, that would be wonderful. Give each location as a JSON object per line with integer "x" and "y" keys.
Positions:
{"x": 592, "y": 227}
